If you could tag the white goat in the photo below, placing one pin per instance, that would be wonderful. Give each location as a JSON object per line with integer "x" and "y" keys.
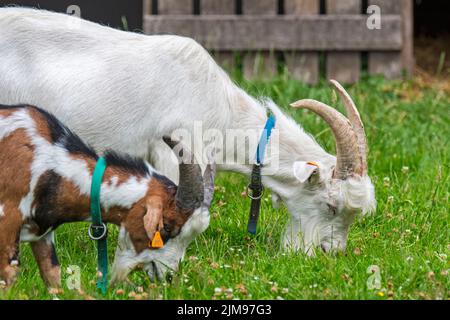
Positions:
{"x": 125, "y": 91}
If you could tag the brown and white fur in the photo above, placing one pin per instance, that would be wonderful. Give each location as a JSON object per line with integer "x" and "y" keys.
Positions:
{"x": 45, "y": 180}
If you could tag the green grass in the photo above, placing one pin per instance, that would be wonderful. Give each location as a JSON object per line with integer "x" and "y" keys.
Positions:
{"x": 407, "y": 125}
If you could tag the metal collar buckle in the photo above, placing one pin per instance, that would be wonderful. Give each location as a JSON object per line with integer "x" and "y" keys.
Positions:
{"x": 97, "y": 227}
{"x": 250, "y": 194}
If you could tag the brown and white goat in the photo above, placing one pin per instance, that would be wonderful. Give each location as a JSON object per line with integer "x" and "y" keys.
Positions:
{"x": 45, "y": 179}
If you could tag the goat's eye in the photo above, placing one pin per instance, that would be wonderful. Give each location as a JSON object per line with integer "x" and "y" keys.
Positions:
{"x": 167, "y": 228}
{"x": 313, "y": 174}
{"x": 332, "y": 209}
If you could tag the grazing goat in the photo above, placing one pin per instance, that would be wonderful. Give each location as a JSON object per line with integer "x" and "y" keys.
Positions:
{"x": 114, "y": 89}
{"x": 45, "y": 179}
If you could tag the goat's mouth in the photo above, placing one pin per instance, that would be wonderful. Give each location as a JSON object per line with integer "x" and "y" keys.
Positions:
{"x": 331, "y": 248}
{"x": 158, "y": 271}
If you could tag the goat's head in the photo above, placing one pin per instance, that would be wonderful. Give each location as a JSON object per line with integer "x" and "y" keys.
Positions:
{"x": 330, "y": 193}
{"x": 178, "y": 213}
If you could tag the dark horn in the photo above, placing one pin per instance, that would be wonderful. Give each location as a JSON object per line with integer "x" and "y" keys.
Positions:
{"x": 190, "y": 193}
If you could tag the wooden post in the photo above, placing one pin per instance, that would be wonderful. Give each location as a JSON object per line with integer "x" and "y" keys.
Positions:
{"x": 344, "y": 66}
{"x": 303, "y": 66}
{"x": 408, "y": 36}
{"x": 147, "y": 7}
{"x": 175, "y": 6}
{"x": 262, "y": 64}
{"x": 387, "y": 63}
{"x": 220, "y": 7}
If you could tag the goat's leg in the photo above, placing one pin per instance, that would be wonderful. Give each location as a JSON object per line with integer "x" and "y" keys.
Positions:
{"x": 45, "y": 254}
{"x": 10, "y": 224}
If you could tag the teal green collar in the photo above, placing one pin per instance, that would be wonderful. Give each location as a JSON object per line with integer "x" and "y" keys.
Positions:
{"x": 98, "y": 230}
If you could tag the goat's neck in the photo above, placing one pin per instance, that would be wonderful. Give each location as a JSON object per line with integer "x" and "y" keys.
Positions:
{"x": 293, "y": 143}
{"x": 77, "y": 206}
{"x": 116, "y": 213}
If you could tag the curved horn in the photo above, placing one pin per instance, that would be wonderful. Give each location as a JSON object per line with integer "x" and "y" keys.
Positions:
{"x": 190, "y": 192}
{"x": 355, "y": 120}
{"x": 347, "y": 151}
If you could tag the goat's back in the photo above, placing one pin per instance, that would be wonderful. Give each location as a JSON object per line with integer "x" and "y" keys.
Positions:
{"x": 116, "y": 89}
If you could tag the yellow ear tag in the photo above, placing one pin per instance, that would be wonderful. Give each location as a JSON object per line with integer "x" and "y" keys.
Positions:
{"x": 157, "y": 241}
{"x": 312, "y": 163}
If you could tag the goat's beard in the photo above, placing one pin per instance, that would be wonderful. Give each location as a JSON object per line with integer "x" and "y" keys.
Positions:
{"x": 126, "y": 259}
{"x": 156, "y": 263}
{"x": 359, "y": 194}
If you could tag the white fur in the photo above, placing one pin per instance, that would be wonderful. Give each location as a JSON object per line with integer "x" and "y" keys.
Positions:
{"x": 125, "y": 194}
{"x": 125, "y": 91}
{"x": 2, "y": 212}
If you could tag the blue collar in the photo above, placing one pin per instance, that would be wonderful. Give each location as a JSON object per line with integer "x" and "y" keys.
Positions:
{"x": 265, "y": 136}
{"x": 255, "y": 185}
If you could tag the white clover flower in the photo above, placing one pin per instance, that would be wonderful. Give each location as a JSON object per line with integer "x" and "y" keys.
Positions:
{"x": 441, "y": 256}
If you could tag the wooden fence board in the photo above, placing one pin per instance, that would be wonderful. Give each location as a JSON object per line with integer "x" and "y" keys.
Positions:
{"x": 147, "y": 7}
{"x": 408, "y": 36}
{"x": 260, "y": 64}
{"x": 305, "y": 33}
{"x": 344, "y": 67}
{"x": 301, "y": 7}
{"x": 175, "y": 6}
{"x": 225, "y": 58}
{"x": 300, "y": 33}
{"x": 303, "y": 66}
{"x": 388, "y": 64}
{"x": 387, "y": 6}
{"x": 258, "y": 7}
{"x": 218, "y": 7}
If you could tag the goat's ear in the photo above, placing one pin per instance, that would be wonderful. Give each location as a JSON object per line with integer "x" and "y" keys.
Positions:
{"x": 153, "y": 218}
{"x": 303, "y": 170}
